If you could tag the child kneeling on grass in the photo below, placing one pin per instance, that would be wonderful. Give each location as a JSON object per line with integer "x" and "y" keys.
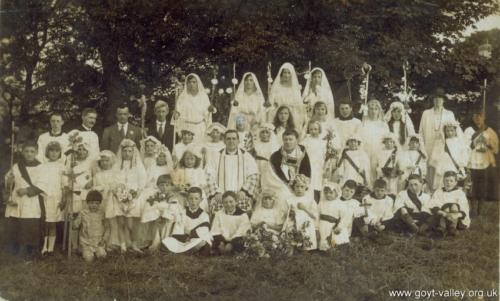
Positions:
{"x": 192, "y": 232}
{"x": 453, "y": 211}
{"x": 229, "y": 226}
{"x": 93, "y": 229}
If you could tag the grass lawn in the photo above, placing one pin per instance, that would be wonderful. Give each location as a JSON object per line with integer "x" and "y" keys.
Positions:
{"x": 360, "y": 271}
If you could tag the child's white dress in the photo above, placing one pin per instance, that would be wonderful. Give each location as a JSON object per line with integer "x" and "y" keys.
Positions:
{"x": 303, "y": 220}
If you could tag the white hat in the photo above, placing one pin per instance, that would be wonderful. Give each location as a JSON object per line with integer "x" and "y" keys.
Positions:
{"x": 216, "y": 126}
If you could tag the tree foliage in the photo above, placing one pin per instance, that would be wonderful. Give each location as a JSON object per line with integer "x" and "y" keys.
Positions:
{"x": 68, "y": 54}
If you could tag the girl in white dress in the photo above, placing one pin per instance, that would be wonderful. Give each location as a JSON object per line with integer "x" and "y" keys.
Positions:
{"x": 53, "y": 170}
{"x": 156, "y": 158}
{"x": 105, "y": 182}
{"x": 283, "y": 120}
{"x": 131, "y": 177}
{"x": 399, "y": 123}
{"x": 371, "y": 131}
{"x": 249, "y": 102}
{"x": 214, "y": 143}
{"x": 268, "y": 213}
{"x": 193, "y": 109}
{"x": 328, "y": 215}
{"x": 285, "y": 91}
{"x": 318, "y": 90}
{"x": 316, "y": 150}
{"x": 305, "y": 209}
{"x": 450, "y": 154}
{"x": 190, "y": 173}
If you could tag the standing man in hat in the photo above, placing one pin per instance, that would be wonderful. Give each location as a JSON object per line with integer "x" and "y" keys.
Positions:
{"x": 431, "y": 126}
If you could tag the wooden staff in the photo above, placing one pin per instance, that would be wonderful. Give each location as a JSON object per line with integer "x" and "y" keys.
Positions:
{"x": 234, "y": 81}
{"x": 267, "y": 103}
{"x": 484, "y": 96}
{"x": 178, "y": 87}
{"x": 214, "y": 83}
{"x": 68, "y": 212}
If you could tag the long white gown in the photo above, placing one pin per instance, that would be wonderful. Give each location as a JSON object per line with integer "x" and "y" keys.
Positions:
{"x": 250, "y": 106}
{"x": 316, "y": 150}
{"x": 193, "y": 111}
{"x": 287, "y": 96}
{"x": 302, "y": 219}
{"x": 323, "y": 93}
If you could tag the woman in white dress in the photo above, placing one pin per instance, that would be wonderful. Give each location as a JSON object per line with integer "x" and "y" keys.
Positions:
{"x": 249, "y": 102}
{"x": 193, "y": 109}
{"x": 400, "y": 123}
{"x": 285, "y": 91}
{"x": 371, "y": 131}
{"x": 318, "y": 89}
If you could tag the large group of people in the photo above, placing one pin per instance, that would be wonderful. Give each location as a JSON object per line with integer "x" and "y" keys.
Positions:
{"x": 193, "y": 185}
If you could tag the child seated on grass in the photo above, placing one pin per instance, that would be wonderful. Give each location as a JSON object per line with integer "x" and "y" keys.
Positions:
{"x": 453, "y": 211}
{"x": 93, "y": 229}
{"x": 192, "y": 232}
{"x": 268, "y": 214}
{"x": 413, "y": 206}
{"x": 229, "y": 226}
{"x": 162, "y": 208}
{"x": 345, "y": 210}
{"x": 379, "y": 208}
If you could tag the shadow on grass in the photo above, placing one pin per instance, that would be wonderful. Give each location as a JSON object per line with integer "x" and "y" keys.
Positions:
{"x": 360, "y": 271}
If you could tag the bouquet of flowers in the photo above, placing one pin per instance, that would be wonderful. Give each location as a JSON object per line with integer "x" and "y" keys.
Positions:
{"x": 157, "y": 198}
{"x": 125, "y": 196}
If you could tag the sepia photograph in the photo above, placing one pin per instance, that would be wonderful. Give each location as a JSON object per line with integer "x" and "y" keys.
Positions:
{"x": 249, "y": 150}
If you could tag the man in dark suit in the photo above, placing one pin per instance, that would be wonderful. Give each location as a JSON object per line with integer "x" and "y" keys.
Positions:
{"x": 160, "y": 127}
{"x": 114, "y": 134}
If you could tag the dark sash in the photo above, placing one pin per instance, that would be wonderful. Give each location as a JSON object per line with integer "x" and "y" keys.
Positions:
{"x": 415, "y": 200}
{"x": 391, "y": 158}
{"x": 356, "y": 168}
{"x": 25, "y": 175}
{"x": 328, "y": 218}
{"x": 447, "y": 150}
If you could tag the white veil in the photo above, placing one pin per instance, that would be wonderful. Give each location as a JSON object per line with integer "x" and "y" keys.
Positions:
{"x": 277, "y": 87}
{"x": 201, "y": 88}
{"x": 247, "y": 103}
{"x": 325, "y": 91}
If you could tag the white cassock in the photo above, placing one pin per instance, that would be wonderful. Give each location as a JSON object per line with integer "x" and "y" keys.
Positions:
{"x": 379, "y": 210}
{"x": 346, "y": 128}
{"x": 411, "y": 162}
{"x": 26, "y": 207}
{"x": 403, "y": 200}
{"x": 443, "y": 162}
{"x": 302, "y": 219}
{"x": 196, "y": 226}
{"x": 230, "y": 226}
{"x": 346, "y": 170}
{"x": 371, "y": 134}
{"x": 134, "y": 178}
{"x": 431, "y": 126}
{"x": 316, "y": 150}
{"x": 337, "y": 215}
{"x": 454, "y": 196}
{"x": 232, "y": 171}
{"x": 383, "y": 159}
{"x": 53, "y": 173}
{"x": 193, "y": 111}
{"x": 44, "y": 140}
